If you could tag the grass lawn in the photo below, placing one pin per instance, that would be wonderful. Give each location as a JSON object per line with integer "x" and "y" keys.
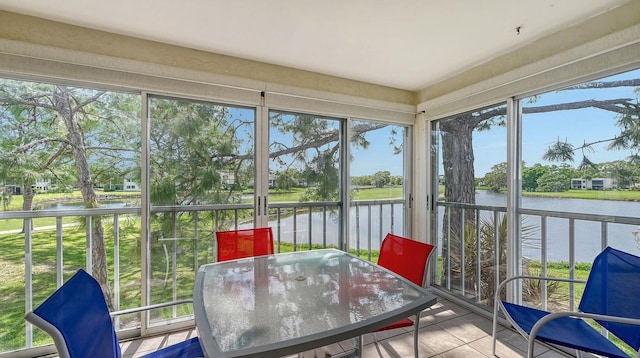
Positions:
{"x": 631, "y": 195}
{"x": 363, "y": 193}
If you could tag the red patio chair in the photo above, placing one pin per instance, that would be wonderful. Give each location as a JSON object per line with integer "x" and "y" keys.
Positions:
{"x": 237, "y": 244}
{"x": 408, "y": 258}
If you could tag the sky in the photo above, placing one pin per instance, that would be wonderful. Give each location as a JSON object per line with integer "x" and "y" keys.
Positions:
{"x": 379, "y": 156}
{"x": 539, "y": 132}
{"x": 542, "y": 130}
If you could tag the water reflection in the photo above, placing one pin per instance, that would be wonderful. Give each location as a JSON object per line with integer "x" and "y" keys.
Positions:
{"x": 79, "y": 205}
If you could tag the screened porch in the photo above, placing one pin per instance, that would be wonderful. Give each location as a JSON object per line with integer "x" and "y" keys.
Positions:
{"x": 123, "y": 152}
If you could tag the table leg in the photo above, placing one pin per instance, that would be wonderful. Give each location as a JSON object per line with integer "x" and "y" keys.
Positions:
{"x": 356, "y": 352}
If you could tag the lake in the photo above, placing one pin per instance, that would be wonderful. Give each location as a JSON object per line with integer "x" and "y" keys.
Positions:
{"x": 78, "y": 205}
{"x": 587, "y": 234}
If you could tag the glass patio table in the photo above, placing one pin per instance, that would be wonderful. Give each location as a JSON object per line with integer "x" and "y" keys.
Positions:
{"x": 275, "y": 305}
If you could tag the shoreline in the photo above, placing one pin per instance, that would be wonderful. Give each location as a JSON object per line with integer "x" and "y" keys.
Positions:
{"x": 78, "y": 199}
{"x": 575, "y": 194}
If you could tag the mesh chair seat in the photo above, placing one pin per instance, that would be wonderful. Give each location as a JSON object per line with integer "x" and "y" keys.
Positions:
{"x": 567, "y": 331}
{"x": 238, "y": 244}
{"x": 608, "y": 298}
{"x": 407, "y": 258}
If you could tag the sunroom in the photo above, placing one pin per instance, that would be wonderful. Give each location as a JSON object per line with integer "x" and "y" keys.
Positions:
{"x": 129, "y": 139}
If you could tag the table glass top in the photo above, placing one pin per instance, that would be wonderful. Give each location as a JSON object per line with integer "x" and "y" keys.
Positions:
{"x": 270, "y": 299}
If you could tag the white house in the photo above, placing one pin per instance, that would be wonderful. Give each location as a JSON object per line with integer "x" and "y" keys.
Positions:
{"x": 42, "y": 184}
{"x": 130, "y": 185}
{"x": 593, "y": 184}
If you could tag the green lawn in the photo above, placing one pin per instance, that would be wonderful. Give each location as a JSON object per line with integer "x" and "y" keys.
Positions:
{"x": 632, "y": 195}
{"x": 363, "y": 193}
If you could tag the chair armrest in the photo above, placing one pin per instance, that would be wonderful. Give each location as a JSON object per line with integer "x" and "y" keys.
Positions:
{"x": 498, "y": 303}
{"x": 550, "y": 317}
{"x": 150, "y": 307}
{"x": 524, "y": 277}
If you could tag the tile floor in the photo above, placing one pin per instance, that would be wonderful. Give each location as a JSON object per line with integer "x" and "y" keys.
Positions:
{"x": 447, "y": 330}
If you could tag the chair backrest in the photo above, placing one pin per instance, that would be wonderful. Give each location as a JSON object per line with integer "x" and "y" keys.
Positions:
{"x": 237, "y": 244}
{"x": 408, "y": 258}
{"x": 76, "y": 316}
{"x": 611, "y": 289}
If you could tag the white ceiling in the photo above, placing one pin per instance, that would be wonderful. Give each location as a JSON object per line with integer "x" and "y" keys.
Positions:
{"x": 406, "y": 44}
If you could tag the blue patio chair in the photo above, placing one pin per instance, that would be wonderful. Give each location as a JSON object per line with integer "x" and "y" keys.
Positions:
{"x": 77, "y": 318}
{"x": 609, "y": 298}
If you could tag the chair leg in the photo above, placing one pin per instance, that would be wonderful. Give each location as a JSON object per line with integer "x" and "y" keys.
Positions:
{"x": 494, "y": 330}
{"x": 416, "y": 326}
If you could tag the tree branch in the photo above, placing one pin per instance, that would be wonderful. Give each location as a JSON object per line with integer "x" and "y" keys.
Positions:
{"x": 608, "y": 84}
{"x": 613, "y": 105}
{"x": 28, "y": 146}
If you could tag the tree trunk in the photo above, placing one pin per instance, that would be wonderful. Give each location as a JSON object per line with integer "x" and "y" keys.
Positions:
{"x": 62, "y": 102}
{"x": 459, "y": 177}
{"x": 27, "y": 199}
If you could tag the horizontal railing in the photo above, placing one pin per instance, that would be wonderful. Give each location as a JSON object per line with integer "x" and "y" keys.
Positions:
{"x": 296, "y": 226}
{"x": 572, "y": 221}
{"x": 464, "y": 275}
{"x": 300, "y": 226}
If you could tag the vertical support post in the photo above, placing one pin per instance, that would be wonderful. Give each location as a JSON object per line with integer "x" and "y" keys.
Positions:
{"x": 295, "y": 230}
{"x": 116, "y": 267}
{"x": 59, "y": 253}
{"x": 310, "y": 239}
{"x": 357, "y": 229}
{"x": 174, "y": 264}
{"x": 543, "y": 246}
{"x": 572, "y": 263}
{"x": 145, "y": 213}
{"x": 89, "y": 251}
{"x": 345, "y": 189}
{"x": 448, "y": 233}
{"x": 279, "y": 220}
{"x": 514, "y": 189}
{"x": 463, "y": 247}
{"x": 324, "y": 227}
{"x": 28, "y": 279}
{"x": 380, "y": 232}
{"x": 478, "y": 291}
{"x": 196, "y": 240}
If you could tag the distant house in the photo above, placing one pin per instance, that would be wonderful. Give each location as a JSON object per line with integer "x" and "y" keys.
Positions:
{"x": 593, "y": 184}
{"x": 227, "y": 178}
{"x": 271, "y": 183}
{"x": 42, "y": 184}
{"x": 578, "y": 183}
{"x": 130, "y": 185}
{"x": 11, "y": 189}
